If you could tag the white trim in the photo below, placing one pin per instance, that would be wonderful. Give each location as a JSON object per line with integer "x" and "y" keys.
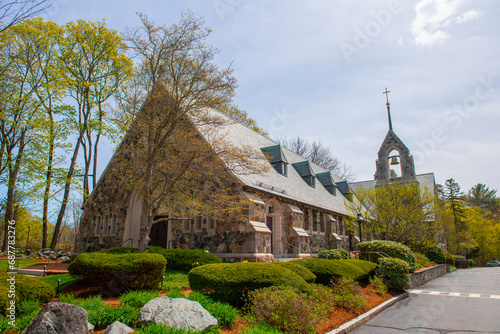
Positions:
{"x": 330, "y": 217}
{"x": 299, "y": 232}
{"x": 337, "y": 237}
{"x": 295, "y": 209}
{"x": 253, "y": 198}
{"x": 259, "y": 227}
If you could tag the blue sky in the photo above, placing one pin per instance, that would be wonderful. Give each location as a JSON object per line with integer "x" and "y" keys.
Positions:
{"x": 318, "y": 69}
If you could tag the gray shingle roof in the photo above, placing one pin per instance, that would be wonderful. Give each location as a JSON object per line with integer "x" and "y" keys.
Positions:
{"x": 425, "y": 180}
{"x": 292, "y": 186}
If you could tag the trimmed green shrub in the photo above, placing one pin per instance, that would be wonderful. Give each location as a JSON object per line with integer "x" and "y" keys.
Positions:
{"x": 184, "y": 259}
{"x": 458, "y": 257}
{"x": 300, "y": 270}
{"x": 334, "y": 254}
{"x": 231, "y": 282}
{"x": 120, "y": 271}
{"x": 449, "y": 259}
{"x": 389, "y": 248}
{"x": 435, "y": 254}
{"x": 348, "y": 294}
{"x": 325, "y": 269}
{"x": 285, "y": 308}
{"x": 26, "y": 288}
{"x": 223, "y": 312}
{"x": 120, "y": 250}
{"x": 394, "y": 272}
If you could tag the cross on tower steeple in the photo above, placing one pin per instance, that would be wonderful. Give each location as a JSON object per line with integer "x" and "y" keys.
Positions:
{"x": 388, "y": 107}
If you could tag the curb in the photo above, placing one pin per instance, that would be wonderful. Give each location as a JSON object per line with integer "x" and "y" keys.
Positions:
{"x": 362, "y": 319}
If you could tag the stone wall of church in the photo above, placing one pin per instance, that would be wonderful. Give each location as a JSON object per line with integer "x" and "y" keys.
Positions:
{"x": 107, "y": 201}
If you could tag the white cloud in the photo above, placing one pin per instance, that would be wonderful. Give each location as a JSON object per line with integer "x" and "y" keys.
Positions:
{"x": 433, "y": 17}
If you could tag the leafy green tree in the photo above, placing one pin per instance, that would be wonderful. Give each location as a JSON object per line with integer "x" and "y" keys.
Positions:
{"x": 481, "y": 196}
{"x": 94, "y": 62}
{"x": 402, "y": 212}
{"x": 454, "y": 198}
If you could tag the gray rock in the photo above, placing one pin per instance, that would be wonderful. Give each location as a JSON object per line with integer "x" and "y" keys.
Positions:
{"x": 64, "y": 259}
{"x": 59, "y": 318}
{"x": 118, "y": 328}
{"x": 53, "y": 256}
{"x": 177, "y": 312}
{"x": 90, "y": 327}
{"x": 46, "y": 251}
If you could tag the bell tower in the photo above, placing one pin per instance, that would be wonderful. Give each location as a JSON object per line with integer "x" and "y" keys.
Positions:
{"x": 392, "y": 143}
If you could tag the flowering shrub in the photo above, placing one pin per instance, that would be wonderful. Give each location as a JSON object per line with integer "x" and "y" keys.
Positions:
{"x": 348, "y": 294}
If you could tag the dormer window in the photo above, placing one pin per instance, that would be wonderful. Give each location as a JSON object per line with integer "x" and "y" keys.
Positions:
{"x": 277, "y": 158}
{"x": 326, "y": 180}
{"x": 305, "y": 171}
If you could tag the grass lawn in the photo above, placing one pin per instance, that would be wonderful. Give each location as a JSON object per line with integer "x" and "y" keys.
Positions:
{"x": 175, "y": 279}
{"x": 22, "y": 263}
{"x": 66, "y": 280}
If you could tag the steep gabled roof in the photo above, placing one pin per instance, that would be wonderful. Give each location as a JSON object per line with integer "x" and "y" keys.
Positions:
{"x": 292, "y": 186}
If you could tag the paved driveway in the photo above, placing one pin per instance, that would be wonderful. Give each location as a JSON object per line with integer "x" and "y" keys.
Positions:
{"x": 464, "y": 301}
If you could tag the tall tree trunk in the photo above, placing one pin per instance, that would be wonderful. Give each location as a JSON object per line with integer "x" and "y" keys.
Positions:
{"x": 48, "y": 182}
{"x": 67, "y": 188}
{"x": 13, "y": 172}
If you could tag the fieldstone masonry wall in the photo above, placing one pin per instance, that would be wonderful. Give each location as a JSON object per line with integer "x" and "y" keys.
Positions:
{"x": 425, "y": 275}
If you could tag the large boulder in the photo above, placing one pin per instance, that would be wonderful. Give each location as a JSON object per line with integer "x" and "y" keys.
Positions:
{"x": 118, "y": 328}
{"x": 59, "y": 318}
{"x": 178, "y": 313}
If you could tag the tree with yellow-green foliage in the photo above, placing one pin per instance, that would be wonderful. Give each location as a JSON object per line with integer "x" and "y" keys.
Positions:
{"x": 401, "y": 212}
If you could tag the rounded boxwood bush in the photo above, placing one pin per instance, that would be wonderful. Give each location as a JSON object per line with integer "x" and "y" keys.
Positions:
{"x": 231, "y": 282}
{"x": 394, "y": 272}
{"x": 389, "y": 248}
{"x": 184, "y": 259}
{"x": 27, "y": 288}
{"x": 120, "y": 250}
{"x": 435, "y": 254}
{"x": 325, "y": 269}
{"x": 120, "y": 271}
{"x": 334, "y": 254}
{"x": 300, "y": 270}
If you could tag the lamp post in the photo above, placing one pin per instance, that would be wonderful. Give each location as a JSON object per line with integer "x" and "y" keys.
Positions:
{"x": 360, "y": 219}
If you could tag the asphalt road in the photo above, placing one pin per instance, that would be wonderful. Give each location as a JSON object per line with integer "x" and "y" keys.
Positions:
{"x": 464, "y": 301}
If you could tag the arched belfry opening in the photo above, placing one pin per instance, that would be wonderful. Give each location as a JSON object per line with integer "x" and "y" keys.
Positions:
{"x": 393, "y": 153}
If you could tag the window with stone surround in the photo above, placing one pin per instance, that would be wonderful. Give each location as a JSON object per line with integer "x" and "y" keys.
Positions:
{"x": 198, "y": 224}
{"x": 322, "y": 227}
{"x": 112, "y": 230}
{"x": 209, "y": 223}
{"x": 105, "y": 225}
{"x": 97, "y": 226}
{"x": 186, "y": 225}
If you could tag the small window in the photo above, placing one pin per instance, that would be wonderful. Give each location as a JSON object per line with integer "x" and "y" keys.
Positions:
{"x": 112, "y": 230}
{"x": 210, "y": 223}
{"x": 97, "y": 226}
{"x": 285, "y": 169}
{"x": 105, "y": 225}
{"x": 198, "y": 226}
{"x": 186, "y": 225}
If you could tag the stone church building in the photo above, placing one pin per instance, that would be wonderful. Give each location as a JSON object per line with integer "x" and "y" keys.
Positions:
{"x": 294, "y": 210}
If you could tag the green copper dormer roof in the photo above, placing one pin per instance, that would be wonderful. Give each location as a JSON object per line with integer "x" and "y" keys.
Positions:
{"x": 303, "y": 168}
{"x": 274, "y": 153}
{"x": 326, "y": 179}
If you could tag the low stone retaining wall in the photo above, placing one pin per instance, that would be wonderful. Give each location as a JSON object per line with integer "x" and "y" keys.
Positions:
{"x": 422, "y": 276}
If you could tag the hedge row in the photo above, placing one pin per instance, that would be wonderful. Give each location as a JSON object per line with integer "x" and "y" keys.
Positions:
{"x": 390, "y": 248}
{"x": 231, "y": 282}
{"x": 184, "y": 259}
{"x": 120, "y": 250}
{"x": 326, "y": 270}
{"x": 300, "y": 270}
{"x": 120, "y": 271}
{"x": 435, "y": 254}
{"x": 26, "y": 288}
{"x": 334, "y": 254}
